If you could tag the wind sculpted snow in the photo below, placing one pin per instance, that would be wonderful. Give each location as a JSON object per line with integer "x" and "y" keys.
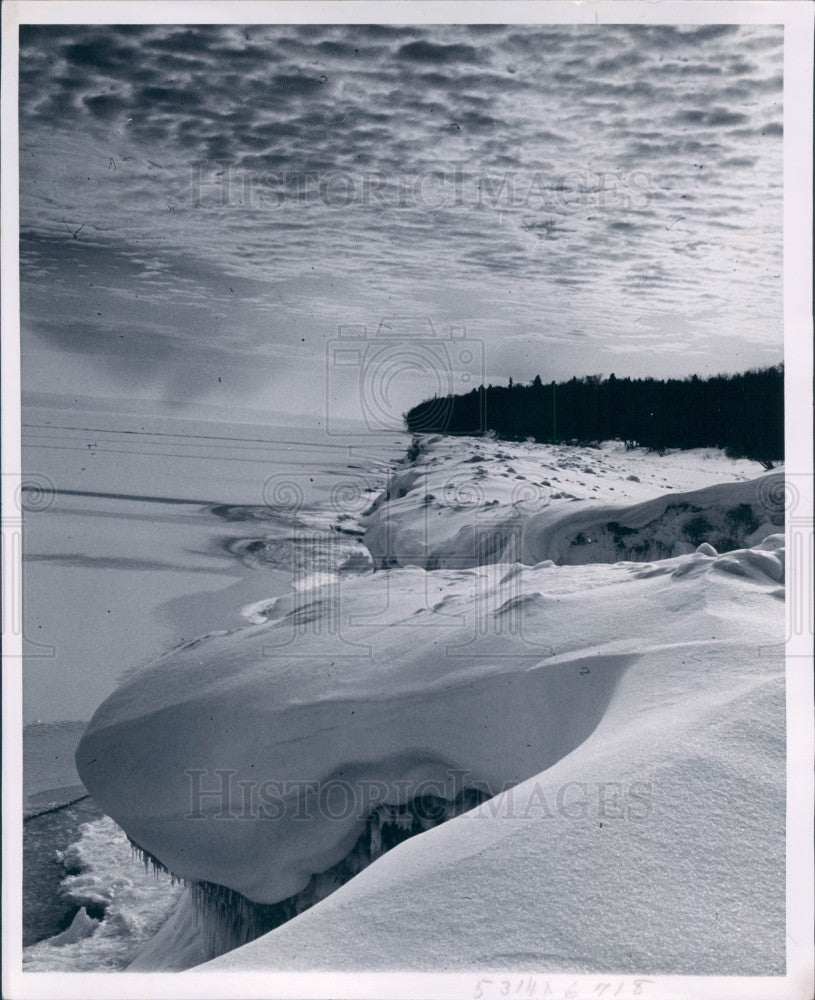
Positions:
{"x": 633, "y": 709}
{"x": 470, "y": 502}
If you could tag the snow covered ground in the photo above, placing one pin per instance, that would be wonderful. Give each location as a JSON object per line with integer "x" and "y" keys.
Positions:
{"x": 654, "y": 841}
{"x": 619, "y": 704}
{"x": 465, "y": 501}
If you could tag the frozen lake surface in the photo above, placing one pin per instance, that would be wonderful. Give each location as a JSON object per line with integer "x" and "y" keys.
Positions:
{"x": 159, "y": 528}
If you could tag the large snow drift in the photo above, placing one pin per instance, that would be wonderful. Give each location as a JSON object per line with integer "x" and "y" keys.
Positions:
{"x": 637, "y": 707}
{"x": 657, "y": 846}
{"x": 676, "y": 664}
{"x": 469, "y": 504}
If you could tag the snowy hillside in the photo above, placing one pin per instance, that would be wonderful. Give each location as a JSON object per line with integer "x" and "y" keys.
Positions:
{"x": 655, "y": 845}
{"x": 626, "y": 709}
{"x": 466, "y": 501}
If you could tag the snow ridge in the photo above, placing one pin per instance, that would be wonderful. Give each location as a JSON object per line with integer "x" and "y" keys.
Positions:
{"x": 470, "y": 506}
{"x": 469, "y": 670}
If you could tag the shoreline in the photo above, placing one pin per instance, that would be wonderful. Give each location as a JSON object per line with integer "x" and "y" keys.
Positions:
{"x": 52, "y": 825}
{"x": 428, "y": 463}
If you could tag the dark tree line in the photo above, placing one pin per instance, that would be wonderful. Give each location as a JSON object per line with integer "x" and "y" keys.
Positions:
{"x": 743, "y": 414}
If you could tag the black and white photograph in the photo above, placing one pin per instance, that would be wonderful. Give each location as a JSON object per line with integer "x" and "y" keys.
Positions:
{"x": 406, "y": 416}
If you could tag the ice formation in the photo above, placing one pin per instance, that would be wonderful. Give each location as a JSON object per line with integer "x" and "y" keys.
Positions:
{"x": 659, "y": 681}
{"x": 117, "y": 907}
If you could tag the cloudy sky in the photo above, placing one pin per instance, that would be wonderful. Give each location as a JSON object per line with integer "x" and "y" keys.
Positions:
{"x": 203, "y": 207}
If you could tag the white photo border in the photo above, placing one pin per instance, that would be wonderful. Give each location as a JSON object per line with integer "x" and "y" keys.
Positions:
{"x": 797, "y": 17}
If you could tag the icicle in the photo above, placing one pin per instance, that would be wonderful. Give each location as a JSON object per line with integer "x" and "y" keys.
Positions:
{"x": 226, "y": 919}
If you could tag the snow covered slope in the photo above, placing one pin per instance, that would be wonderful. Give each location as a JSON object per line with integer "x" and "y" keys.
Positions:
{"x": 469, "y": 501}
{"x": 635, "y": 710}
{"x": 656, "y": 846}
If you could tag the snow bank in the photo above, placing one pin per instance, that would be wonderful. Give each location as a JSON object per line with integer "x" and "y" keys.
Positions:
{"x": 622, "y": 719}
{"x": 657, "y": 846}
{"x": 481, "y": 679}
{"x": 211, "y": 920}
{"x": 178, "y": 944}
{"x": 471, "y": 504}
{"x": 726, "y": 517}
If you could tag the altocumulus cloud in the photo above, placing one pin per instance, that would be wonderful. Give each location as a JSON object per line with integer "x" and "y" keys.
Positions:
{"x": 555, "y": 179}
